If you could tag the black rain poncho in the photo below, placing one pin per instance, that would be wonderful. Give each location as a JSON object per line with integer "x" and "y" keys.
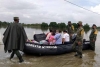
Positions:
{"x": 14, "y": 37}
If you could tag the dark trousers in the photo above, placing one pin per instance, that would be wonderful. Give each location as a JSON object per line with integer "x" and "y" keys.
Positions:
{"x": 77, "y": 48}
{"x": 15, "y": 51}
{"x": 71, "y": 40}
{"x": 92, "y": 44}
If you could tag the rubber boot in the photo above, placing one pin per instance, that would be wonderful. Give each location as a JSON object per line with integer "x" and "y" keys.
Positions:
{"x": 80, "y": 55}
{"x": 21, "y": 59}
{"x": 93, "y": 48}
{"x": 76, "y": 54}
{"x": 19, "y": 56}
{"x": 12, "y": 55}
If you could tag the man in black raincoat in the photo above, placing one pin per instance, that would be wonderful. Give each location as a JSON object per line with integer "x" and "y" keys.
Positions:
{"x": 14, "y": 39}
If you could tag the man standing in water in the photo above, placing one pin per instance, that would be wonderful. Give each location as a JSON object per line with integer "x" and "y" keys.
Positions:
{"x": 79, "y": 40}
{"x": 14, "y": 39}
{"x": 93, "y": 36}
{"x": 70, "y": 30}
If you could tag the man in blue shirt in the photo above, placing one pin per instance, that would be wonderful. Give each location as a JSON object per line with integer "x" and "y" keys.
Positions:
{"x": 58, "y": 37}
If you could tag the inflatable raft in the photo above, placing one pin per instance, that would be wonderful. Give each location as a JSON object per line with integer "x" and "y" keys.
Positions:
{"x": 42, "y": 49}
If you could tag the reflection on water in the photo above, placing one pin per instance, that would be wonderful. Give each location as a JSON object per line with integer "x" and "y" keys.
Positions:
{"x": 66, "y": 60}
{"x": 90, "y": 58}
{"x": 31, "y": 31}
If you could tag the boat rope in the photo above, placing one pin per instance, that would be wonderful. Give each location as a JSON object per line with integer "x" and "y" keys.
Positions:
{"x": 81, "y": 7}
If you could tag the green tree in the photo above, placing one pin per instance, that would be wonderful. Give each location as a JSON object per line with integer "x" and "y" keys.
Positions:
{"x": 86, "y": 26}
{"x": 53, "y": 25}
{"x": 62, "y": 26}
{"x": 75, "y": 25}
{"x": 43, "y": 25}
{"x": 86, "y": 30}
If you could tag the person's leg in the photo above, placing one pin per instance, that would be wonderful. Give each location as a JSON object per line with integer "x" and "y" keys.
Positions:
{"x": 92, "y": 44}
{"x": 75, "y": 48}
{"x": 18, "y": 55}
{"x": 80, "y": 51}
{"x": 12, "y": 55}
{"x": 71, "y": 39}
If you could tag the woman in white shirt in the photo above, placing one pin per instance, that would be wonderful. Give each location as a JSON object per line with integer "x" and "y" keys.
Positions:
{"x": 65, "y": 38}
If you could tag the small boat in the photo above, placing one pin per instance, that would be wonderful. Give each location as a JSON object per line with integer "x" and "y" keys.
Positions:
{"x": 42, "y": 49}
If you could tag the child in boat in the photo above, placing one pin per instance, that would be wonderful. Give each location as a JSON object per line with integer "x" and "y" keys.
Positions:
{"x": 51, "y": 38}
{"x": 48, "y": 35}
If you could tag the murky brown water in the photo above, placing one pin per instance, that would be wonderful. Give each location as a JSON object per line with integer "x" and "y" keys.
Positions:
{"x": 90, "y": 58}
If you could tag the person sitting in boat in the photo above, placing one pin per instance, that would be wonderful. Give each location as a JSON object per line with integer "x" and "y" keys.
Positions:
{"x": 58, "y": 38}
{"x": 51, "y": 38}
{"x": 66, "y": 37}
{"x": 48, "y": 35}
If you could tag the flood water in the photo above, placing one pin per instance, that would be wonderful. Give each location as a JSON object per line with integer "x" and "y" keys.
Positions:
{"x": 90, "y": 58}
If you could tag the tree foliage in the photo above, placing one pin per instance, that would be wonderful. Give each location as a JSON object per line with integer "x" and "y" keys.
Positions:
{"x": 4, "y": 23}
{"x": 75, "y": 25}
{"x": 53, "y": 25}
{"x": 43, "y": 25}
{"x": 62, "y": 25}
{"x": 86, "y": 26}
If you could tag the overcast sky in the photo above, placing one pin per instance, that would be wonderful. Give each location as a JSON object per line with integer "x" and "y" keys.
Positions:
{"x": 38, "y": 11}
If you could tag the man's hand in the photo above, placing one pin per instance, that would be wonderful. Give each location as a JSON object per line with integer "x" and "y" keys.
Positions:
{"x": 70, "y": 34}
{"x": 93, "y": 40}
{"x": 79, "y": 43}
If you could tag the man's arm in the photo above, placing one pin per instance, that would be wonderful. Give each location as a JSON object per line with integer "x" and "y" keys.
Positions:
{"x": 72, "y": 27}
{"x": 95, "y": 35}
